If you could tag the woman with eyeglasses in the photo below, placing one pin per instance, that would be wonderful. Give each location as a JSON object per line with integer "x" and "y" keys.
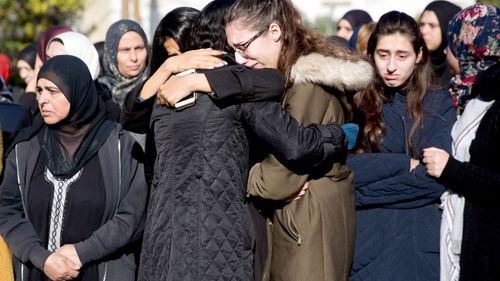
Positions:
{"x": 311, "y": 236}
{"x": 311, "y": 232}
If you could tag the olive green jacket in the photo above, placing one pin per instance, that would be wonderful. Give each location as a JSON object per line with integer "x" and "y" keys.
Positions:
{"x": 313, "y": 238}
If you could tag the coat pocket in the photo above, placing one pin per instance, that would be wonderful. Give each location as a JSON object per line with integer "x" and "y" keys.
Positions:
{"x": 290, "y": 226}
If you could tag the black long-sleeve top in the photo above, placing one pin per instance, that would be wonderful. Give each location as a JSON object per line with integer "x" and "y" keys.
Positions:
{"x": 233, "y": 83}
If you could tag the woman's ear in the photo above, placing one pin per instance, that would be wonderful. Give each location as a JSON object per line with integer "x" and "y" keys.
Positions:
{"x": 275, "y": 31}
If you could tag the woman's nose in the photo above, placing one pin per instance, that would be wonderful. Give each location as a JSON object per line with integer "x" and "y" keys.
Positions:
{"x": 391, "y": 65}
{"x": 133, "y": 55}
{"x": 41, "y": 97}
{"x": 240, "y": 58}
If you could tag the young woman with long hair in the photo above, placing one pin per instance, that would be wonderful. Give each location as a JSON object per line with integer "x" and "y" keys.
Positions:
{"x": 397, "y": 210}
{"x": 311, "y": 238}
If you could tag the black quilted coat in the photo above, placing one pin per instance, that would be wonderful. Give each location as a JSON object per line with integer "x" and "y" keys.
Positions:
{"x": 198, "y": 226}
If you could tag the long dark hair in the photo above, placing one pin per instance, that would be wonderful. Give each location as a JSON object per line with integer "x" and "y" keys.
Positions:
{"x": 297, "y": 40}
{"x": 176, "y": 25}
{"x": 415, "y": 88}
{"x": 208, "y": 29}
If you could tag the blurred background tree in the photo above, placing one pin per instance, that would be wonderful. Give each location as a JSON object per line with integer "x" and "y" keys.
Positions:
{"x": 21, "y": 21}
{"x": 491, "y": 2}
{"x": 323, "y": 24}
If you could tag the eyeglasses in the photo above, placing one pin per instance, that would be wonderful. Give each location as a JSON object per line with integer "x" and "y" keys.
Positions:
{"x": 241, "y": 48}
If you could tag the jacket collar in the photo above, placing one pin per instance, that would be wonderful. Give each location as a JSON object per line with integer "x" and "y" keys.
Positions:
{"x": 332, "y": 72}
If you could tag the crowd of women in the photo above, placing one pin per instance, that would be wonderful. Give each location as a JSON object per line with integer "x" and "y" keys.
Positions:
{"x": 241, "y": 145}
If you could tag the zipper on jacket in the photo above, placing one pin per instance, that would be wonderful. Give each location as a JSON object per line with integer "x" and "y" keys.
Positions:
{"x": 119, "y": 174}
{"x": 105, "y": 271}
{"x": 406, "y": 136}
{"x": 291, "y": 227}
{"x": 19, "y": 186}
{"x": 119, "y": 194}
{"x": 22, "y": 201}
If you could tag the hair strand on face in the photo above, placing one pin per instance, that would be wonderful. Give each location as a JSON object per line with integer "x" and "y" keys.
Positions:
{"x": 296, "y": 39}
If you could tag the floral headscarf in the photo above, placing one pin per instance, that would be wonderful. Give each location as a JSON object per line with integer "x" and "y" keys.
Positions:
{"x": 474, "y": 39}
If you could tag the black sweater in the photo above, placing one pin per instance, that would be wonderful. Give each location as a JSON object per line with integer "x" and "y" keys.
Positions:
{"x": 479, "y": 182}
{"x": 235, "y": 82}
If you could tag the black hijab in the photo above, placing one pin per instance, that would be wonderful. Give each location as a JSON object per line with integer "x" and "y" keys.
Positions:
{"x": 357, "y": 18}
{"x": 72, "y": 142}
{"x": 444, "y": 11}
{"x": 28, "y": 54}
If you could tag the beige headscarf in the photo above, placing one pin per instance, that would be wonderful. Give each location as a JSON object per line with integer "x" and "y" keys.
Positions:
{"x": 80, "y": 46}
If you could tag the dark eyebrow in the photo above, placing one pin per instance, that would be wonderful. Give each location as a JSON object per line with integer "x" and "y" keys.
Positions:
{"x": 132, "y": 47}
{"x": 49, "y": 88}
{"x": 387, "y": 51}
{"x": 403, "y": 52}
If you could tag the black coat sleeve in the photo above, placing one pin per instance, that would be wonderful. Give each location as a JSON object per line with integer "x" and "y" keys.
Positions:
{"x": 234, "y": 83}
{"x": 480, "y": 178}
{"x": 300, "y": 149}
{"x": 240, "y": 83}
{"x": 136, "y": 113}
{"x": 471, "y": 180}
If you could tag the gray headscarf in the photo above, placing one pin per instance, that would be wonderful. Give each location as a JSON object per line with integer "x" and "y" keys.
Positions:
{"x": 120, "y": 85}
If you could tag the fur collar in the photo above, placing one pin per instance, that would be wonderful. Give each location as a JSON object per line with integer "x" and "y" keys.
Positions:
{"x": 333, "y": 72}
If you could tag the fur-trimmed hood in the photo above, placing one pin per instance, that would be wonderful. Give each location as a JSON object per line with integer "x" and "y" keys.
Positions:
{"x": 341, "y": 74}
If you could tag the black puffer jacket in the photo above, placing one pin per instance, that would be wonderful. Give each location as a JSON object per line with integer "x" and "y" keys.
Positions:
{"x": 198, "y": 226}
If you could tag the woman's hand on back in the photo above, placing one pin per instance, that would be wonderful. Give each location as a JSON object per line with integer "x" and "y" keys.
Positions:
{"x": 177, "y": 88}
{"x": 197, "y": 59}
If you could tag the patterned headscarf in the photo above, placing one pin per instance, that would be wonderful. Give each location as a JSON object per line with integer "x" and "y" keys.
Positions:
{"x": 474, "y": 39}
{"x": 120, "y": 85}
